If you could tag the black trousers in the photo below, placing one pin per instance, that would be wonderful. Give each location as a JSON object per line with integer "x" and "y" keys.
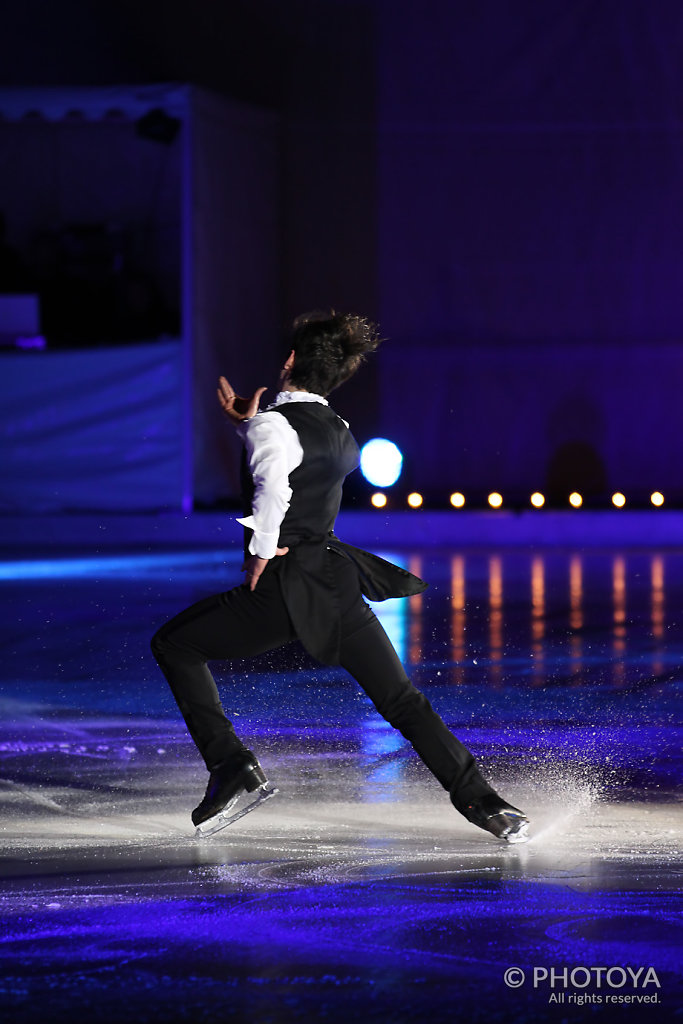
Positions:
{"x": 242, "y": 623}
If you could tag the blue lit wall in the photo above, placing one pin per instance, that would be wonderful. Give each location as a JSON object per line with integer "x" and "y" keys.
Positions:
{"x": 497, "y": 184}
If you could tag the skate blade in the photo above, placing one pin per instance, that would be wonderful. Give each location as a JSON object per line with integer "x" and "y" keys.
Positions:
{"x": 224, "y": 818}
{"x": 520, "y": 835}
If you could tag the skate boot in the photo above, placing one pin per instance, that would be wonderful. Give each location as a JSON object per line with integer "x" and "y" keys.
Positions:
{"x": 238, "y": 774}
{"x": 499, "y": 818}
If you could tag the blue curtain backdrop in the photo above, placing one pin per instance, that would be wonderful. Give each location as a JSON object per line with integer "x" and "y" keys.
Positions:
{"x": 99, "y": 429}
{"x": 530, "y": 238}
{"x": 530, "y": 160}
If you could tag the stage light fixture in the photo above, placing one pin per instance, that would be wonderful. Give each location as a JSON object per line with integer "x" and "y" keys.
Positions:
{"x": 657, "y": 498}
{"x": 381, "y": 462}
{"x": 575, "y": 499}
{"x": 379, "y": 500}
{"x": 415, "y": 499}
{"x": 618, "y": 500}
{"x": 537, "y": 499}
{"x": 457, "y": 499}
{"x": 495, "y": 499}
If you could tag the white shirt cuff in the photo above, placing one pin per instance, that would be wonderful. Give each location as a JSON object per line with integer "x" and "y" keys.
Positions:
{"x": 262, "y": 544}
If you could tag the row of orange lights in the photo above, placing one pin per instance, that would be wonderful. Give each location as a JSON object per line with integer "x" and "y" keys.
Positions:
{"x": 495, "y": 500}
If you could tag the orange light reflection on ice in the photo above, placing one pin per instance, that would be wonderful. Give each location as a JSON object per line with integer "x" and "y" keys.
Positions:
{"x": 458, "y": 617}
{"x": 657, "y": 610}
{"x": 619, "y": 619}
{"x": 496, "y": 616}
{"x": 415, "y": 609}
{"x": 538, "y": 619}
{"x": 576, "y": 613}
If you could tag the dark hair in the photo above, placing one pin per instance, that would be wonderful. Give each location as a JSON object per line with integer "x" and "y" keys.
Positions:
{"x": 328, "y": 349}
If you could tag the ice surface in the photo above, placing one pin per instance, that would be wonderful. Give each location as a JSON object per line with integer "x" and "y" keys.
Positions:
{"x": 359, "y": 892}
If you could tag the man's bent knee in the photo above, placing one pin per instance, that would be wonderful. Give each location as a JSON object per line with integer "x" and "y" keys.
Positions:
{"x": 163, "y": 645}
{"x": 157, "y": 643}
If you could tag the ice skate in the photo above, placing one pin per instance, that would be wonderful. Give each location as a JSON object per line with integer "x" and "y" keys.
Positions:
{"x": 499, "y": 818}
{"x": 236, "y": 809}
{"x": 230, "y": 782}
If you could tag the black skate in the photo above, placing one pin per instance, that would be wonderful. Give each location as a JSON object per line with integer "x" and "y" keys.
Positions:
{"x": 228, "y": 782}
{"x": 494, "y": 815}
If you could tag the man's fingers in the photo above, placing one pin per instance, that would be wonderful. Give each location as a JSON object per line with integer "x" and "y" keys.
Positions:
{"x": 226, "y": 392}
{"x": 226, "y": 396}
{"x": 236, "y": 408}
{"x": 253, "y": 578}
{"x": 252, "y": 408}
{"x": 254, "y": 567}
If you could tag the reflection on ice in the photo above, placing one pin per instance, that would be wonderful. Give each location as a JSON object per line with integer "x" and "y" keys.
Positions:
{"x": 358, "y": 892}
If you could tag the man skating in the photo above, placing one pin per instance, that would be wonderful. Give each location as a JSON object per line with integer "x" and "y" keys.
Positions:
{"x": 304, "y": 583}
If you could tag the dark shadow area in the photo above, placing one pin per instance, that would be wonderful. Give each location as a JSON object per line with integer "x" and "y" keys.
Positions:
{"x": 575, "y": 466}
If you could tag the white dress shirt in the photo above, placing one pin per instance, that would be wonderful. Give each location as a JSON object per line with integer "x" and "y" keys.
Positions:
{"x": 273, "y": 452}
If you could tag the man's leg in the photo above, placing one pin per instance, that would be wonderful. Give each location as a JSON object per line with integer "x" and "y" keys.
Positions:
{"x": 367, "y": 653}
{"x": 371, "y": 659}
{"x": 237, "y": 624}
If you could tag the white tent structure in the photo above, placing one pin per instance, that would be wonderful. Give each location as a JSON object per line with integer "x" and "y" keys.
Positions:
{"x": 192, "y": 178}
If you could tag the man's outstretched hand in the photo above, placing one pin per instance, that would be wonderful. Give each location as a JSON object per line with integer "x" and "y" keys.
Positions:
{"x": 254, "y": 566}
{"x": 235, "y": 408}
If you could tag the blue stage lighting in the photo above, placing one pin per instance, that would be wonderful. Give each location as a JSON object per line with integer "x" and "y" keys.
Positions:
{"x": 381, "y": 462}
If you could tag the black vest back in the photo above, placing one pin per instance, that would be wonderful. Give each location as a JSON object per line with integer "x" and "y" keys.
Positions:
{"x": 330, "y": 454}
{"x": 306, "y": 573}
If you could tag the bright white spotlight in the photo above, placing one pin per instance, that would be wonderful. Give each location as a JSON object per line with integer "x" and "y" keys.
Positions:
{"x": 415, "y": 500}
{"x": 495, "y": 499}
{"x": 457, "y": 499}
{"x": 379, "y": 500}
{"x": 381, "y": 462}
{"x": 537, "y": 499}
{"x": 618, "y": 499}
{"x": 657, "y": 498}
{"x": 575, "y": 499}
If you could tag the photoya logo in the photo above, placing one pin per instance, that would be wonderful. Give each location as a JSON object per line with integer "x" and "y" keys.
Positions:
{"x": 582, "y": 977}
{"x": 609, "y": 977}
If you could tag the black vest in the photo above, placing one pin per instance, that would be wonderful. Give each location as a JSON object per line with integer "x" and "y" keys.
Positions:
{"x": 305, "y": 574}
{"x": 330, "y": 454}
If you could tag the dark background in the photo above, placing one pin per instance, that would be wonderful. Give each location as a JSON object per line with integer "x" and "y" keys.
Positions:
{"x": 497, "y": 183}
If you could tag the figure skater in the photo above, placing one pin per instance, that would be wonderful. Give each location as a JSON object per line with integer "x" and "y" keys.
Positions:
{"x": 303, "y": 583}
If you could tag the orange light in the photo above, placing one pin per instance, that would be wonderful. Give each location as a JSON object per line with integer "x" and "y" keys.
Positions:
{"x": 379, "y": 500}
{"x": 457, "y": 499}
{"x": 495, "y": 499}
{"x": 537, "y": 500}
{"x": 415, "y": 499}
{"x": 618, "y": 500}
{"x": 657, "y": 498}
{"x": 575, "y": 500}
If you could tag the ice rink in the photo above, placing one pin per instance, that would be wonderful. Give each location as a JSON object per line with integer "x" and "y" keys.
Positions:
{"x": 358, "y": 893}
